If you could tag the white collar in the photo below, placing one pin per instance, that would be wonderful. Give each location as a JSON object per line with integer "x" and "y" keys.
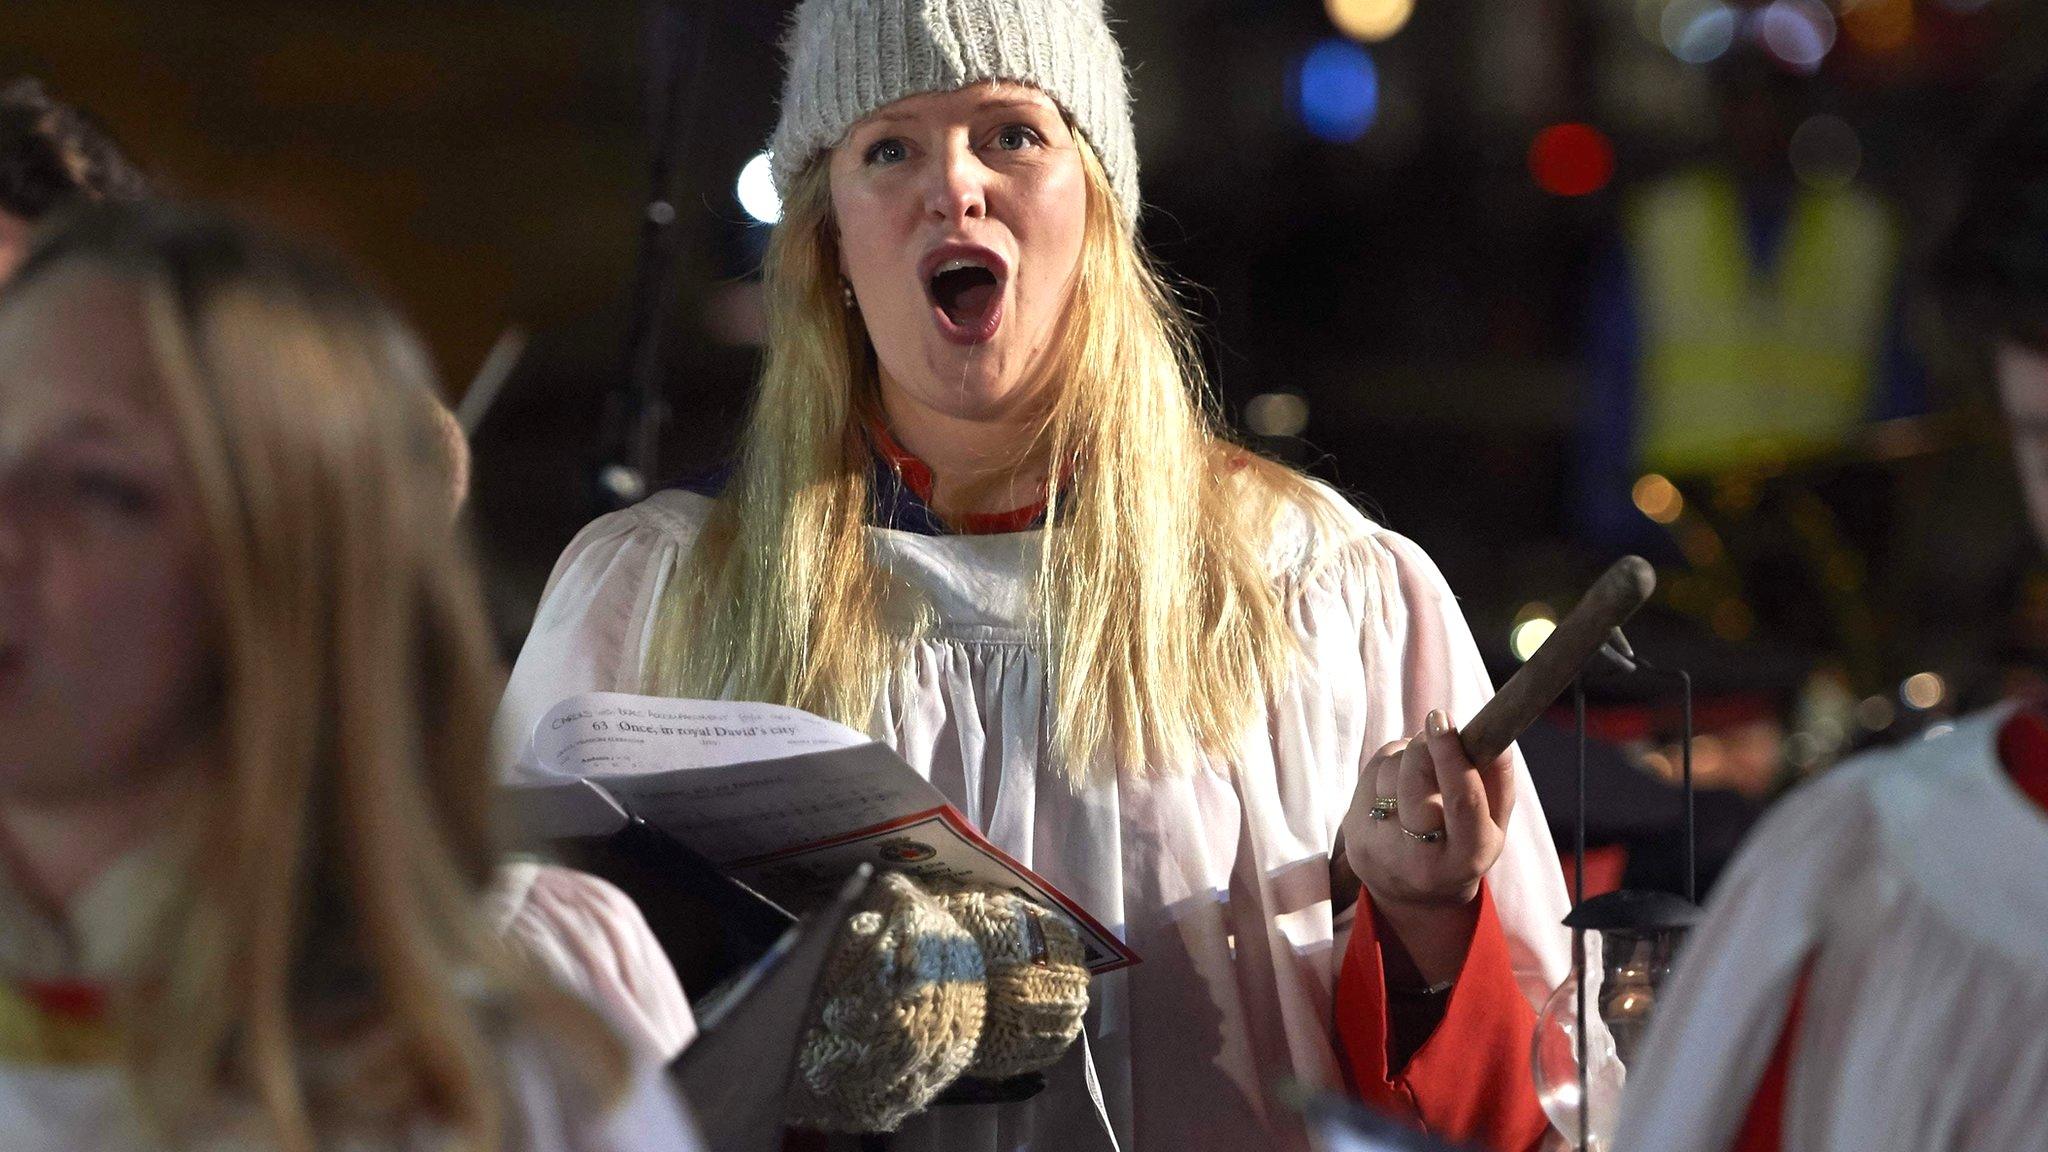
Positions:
{"x": 104, "y": 930}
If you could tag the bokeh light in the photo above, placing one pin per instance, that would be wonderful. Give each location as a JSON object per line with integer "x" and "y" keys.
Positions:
{"x": 1874, "y": 714}
{"x": 1732, "y": 620}
{"x": 1369, "y": 20}
{"x": 1923, "y": 690}
{"x": 1529, "y": 635}
{"x": 1803, "y": 750}
{"x": 1277, "y": 414}
{"x": 1826, "y": 153}
{"x": 1337, "y": 90}
{"x": 1571, "y": 160}
{"x": 1699, "y": 31}
{"x": 1799, "y": 33}
{"x": 756, "y": 191}
{"x": 1879, "y": 25}
{"x": 1658, "y": 498}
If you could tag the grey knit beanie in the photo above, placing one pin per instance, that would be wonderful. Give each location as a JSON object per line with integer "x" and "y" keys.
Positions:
{"x": 847, "y": 58}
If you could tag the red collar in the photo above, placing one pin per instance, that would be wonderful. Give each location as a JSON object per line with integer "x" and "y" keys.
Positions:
{"x": 2023, "y": 750}
{"x": 917, "y": 477}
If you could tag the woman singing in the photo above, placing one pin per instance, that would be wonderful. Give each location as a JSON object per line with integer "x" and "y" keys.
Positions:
{"x": 982, "y": 510}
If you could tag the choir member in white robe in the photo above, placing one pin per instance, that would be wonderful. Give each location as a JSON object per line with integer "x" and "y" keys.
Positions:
{"x": 593, "y": 940}
{"x": 1218, "y": 879}
{"x": 1873, "y": 970}
{"x": 1898, "y": 903}
{"x": 245, "y": 688}
{"x": 978, "y": 459}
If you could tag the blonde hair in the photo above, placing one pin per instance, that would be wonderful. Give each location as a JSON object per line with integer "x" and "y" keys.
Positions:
{"x": 1157, "y": 608}
{"x": 327, "y": 962}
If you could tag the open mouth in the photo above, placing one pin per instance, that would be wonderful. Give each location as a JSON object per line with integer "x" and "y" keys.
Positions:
{"x": 966, "y": 290}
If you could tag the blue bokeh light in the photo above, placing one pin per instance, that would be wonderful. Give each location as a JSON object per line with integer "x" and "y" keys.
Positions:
{"x": 1337, "y": 90}
{"x": 1700, "y": 31}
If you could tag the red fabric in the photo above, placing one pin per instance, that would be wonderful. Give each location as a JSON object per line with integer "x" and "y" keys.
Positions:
{"x": 1470, "y": 1081}
{"x": 1626, "y": 723}
{"x": 1764, "y": 1128}
{"x": 917, "y": 476}
{"x": 2023, "y": 750}
{"x": 66, "y": 999}
{"x": 1605, "y": 868}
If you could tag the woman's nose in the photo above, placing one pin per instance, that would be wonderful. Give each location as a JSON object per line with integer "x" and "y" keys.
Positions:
{"x": 957, "y": 189}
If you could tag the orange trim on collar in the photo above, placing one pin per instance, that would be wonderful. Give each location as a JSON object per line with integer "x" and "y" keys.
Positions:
{"x": 917, "y": 477}
{"x": 66, "y": 999}
{"x": 56, "y": 1022}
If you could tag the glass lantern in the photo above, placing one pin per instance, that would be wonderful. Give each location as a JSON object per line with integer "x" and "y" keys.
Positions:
{"x": 1635, "y": 936}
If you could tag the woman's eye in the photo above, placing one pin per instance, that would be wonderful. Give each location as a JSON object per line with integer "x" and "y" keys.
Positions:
{"x": 886, "y": 152}
{"x": 117, "y": 493}
{"x": 1016, "y": 138}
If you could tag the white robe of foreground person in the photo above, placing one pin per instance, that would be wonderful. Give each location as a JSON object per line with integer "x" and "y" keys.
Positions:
{"x": 1217, "y": 876}
{"x": 51, "y": 1108}
{"x": 1909, "y": 889}
{"x": 594, "y": 941}
{"x": 63, "y": 1090}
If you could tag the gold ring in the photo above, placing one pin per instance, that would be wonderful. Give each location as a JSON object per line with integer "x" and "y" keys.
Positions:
{"x": 1384, "y": 808}
{"x": 1423, "y": 837}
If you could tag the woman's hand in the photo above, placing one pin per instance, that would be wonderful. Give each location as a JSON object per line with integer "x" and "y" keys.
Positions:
{"x": 1422, "y": 855}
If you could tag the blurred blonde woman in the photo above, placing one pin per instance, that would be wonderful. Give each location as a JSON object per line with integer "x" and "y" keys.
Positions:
{"x": 982, "y": 510}
{"x": 244, "y": 813}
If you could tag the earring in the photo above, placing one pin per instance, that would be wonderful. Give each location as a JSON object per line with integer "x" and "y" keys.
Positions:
{"x": 846, "y": 293}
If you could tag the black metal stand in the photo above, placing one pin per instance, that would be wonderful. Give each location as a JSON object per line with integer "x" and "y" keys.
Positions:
{"x": 631, "y": 458}
{"x": 1623, "y": 909}
{"x": 1692, "y": 867}
{"x": 1579, "y": 934}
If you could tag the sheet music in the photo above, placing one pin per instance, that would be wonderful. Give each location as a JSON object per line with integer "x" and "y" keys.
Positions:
{"x": 618, "y": 733}
{"x": 784, "y": 800}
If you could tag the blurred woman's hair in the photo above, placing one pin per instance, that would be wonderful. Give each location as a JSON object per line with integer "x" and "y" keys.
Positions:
{"x": 1992, "y": 273}
{"x": 326, "y": 962}
{"x": 53, "y": 155}
{"x": 1160, "y": 612}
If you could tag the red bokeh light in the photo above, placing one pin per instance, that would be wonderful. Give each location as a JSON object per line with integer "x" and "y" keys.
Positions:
{"x": 1571, "y": 160}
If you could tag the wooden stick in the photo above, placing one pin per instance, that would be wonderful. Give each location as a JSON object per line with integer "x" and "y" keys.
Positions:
{"x": 1612, "y": 599}
{"x": 1543, "y": 678}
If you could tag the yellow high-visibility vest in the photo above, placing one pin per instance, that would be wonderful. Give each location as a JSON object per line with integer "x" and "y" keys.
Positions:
{"x": 1740, "y": 365}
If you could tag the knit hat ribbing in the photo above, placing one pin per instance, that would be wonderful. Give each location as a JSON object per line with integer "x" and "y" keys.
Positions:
{"x": 847, "y": 58}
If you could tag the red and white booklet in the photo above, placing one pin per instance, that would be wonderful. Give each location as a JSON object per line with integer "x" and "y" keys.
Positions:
{"x": 786, "y": 802}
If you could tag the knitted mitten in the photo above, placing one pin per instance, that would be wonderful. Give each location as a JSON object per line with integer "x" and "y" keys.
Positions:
{"x": 899, "y": 1011}
{"x": 1037, "y": 983}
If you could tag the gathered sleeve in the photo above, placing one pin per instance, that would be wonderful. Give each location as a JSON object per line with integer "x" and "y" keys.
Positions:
{"x": 591, "y": 631}
{"x": 592, "y": 940}
{"x": 1470, "y": 1081}
{"x": 590, "y": 634}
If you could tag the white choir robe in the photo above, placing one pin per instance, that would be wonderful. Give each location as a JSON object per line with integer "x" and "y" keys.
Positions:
{"x": 64, "y": 1108}
{"x": 1910, "y": 887}
{"x": 593, "y": 940}
{"x": 1218, "y": 876}
{"x": 51, "y": 1105}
